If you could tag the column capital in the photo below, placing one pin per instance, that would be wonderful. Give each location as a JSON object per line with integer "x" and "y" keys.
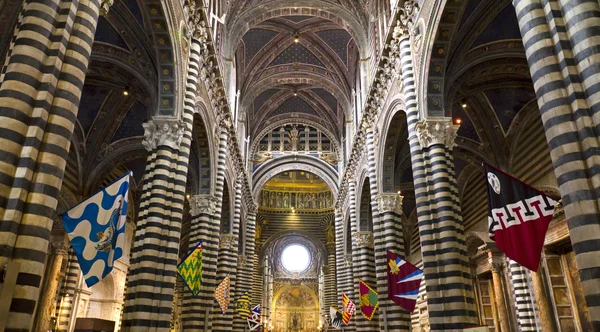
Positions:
{"x": 167, "y": 132}
{"x": 363, "y": 239}
{"x": 390, "y": 202}
{"x": 406, "y": 19}
{"x": 497, "y": 267}
{"x": 196, "y": 27}
{"x": 105, "y": 6}
{"x": 242, "y": 260}
{"x": 203, "y": 204}
{"x": 60, "y": 247}
{"x": 227, "y": 241}
{"x": 252, "y": 208}
{"x": 438, "y": 130}
{"x": 347, "y": 260}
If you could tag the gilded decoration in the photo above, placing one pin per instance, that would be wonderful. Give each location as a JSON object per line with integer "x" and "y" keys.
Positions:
{"x": 296, "y": 308}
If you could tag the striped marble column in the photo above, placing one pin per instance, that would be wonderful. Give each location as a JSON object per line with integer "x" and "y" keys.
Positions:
{"x": 561, "y": 43}
{"x": 154, "y": 258}
{"x": 389, "y": 237}
{"x": 196, "y": 311}
{"x": 363, "y": 261}
{"x": 344, "y": 277}
{"x": 364, "y": 269}
{"x": 449, "y": 289}
{"x": 40, "y": 90}
{"x": 227, "y": 265}
{"x": 67, "y": 293}
{"x": 152, "y": 275}
{"x": 330, "y": 277}
{"x": 246, "y": 275}
{"x": 522, "y": 295}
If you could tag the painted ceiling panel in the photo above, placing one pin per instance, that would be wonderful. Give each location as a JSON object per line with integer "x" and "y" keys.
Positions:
{"x": 467, "y": 129}
{"x": 263, "y": 97}
{"x": 328, "y": 98}
{"x": 255, "y": 39}
{"x": 297, "y": 53}
{"x": 295, "y": 104}
{"x": 106, "y": 33}
{"x": 508, "y": 102}
{"x": 134, "y": 8}
{"x": 297, "y": 18}
{"x": 92, "y": 99}
{"x": 337, "y": 40}
{"x": 132, "y": 123}
{"x": 504, "y": 26}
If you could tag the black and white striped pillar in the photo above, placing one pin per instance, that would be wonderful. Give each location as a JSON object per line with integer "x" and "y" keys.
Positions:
{"x": 196, "y": 311}
{"x": 390, "y": 236}
{"x": 562, "y": 43}
{"x": 40, "y": 89}
{"x": 450, "y": 301}
{"x": 227, "y": 265}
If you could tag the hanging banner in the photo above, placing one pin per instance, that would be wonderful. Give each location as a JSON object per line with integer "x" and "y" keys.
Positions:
{"x": 518, "y": 217}
{"x": 404, "y": 280}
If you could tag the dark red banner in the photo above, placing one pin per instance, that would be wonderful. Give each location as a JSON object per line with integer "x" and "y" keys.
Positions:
{"x": 518, "y": 217}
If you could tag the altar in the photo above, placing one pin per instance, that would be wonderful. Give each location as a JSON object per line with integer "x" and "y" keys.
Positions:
{"x": 296, "y": 309}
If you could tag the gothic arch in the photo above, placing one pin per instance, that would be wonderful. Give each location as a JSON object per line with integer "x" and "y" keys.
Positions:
{"x": 298, "y": 121}
{"x": 294, "y": 162}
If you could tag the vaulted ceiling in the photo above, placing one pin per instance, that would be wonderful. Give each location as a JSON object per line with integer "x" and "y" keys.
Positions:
{"x": 296, "y": 66}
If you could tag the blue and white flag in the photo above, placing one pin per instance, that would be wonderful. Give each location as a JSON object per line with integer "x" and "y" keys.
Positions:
{"x": 96, "y": 228}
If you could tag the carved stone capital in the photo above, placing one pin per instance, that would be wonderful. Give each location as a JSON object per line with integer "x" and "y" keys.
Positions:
{"x": 203, "y": 204}
{"x": 363, "y": 239}
{"x": 60, "y": 247}
{"x": 331, "y": 246}
{"x": 390, "y": 202}
{"x": 242, "y": 261}
{"x": 105, "y": 6}
{"x": 496, "y": 266}
{"x": 406, "y": 20}
{"x": 347, "y": 259}
{"x": 167, "y": 132}
{"x": 433, "y": 131}
{"x": 227, "y": 241}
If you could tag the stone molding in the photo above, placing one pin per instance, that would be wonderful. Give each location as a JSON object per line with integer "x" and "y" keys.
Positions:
{"x": 159, "y": 132}
{"x": 227, "y": 241}
{"x": 432, "y": 131}
{"x": 363, "y": 239}
{"x": 203, "y": 204}
{"x": 390, "y": 202}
